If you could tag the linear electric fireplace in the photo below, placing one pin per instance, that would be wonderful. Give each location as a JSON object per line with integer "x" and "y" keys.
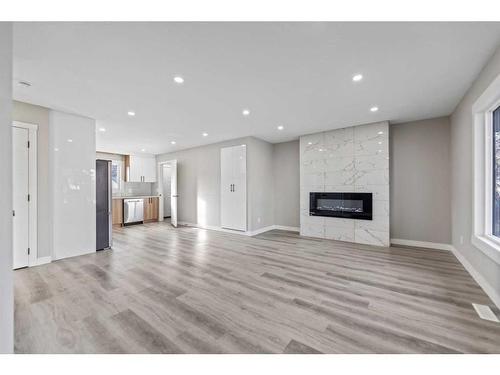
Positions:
{"x": 345, "y": 205}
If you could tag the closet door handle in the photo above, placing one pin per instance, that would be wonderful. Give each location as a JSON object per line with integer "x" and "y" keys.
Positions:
{"x": 234, "y": 188}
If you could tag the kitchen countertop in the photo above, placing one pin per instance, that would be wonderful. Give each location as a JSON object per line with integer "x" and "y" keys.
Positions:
{"x": 136, "y": 197}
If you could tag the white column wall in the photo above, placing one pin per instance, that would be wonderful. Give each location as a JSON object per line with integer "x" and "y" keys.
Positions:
{"x": 72, "y": 177}
{"x": 6, "y": 287}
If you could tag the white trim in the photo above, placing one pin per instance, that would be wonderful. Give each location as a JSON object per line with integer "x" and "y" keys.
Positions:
{"x": 482, "y": 170}
{"x": 485, "y": 312}
{"x": 212, "y": 227}
{"x": 424, "y": 244}
{"x": 483, "y": 283}
{"x": 487, "y": 246}
{"x": 242, "y": 233}
{"x": 25, "y": 125}
{"x": 260, "y": 230}
{"x": 284, "y": 227}
{"x": 32, "y": 188}
{"x": 43, "y": 260}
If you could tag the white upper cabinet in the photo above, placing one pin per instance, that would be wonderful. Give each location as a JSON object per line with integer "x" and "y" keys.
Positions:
{"x": 142, "y": 168}
{"x": 149, "y": 169}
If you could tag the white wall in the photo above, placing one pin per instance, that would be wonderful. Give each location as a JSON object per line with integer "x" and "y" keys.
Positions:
{"x": 354, "y": 159}
{"x": 462, "y": 179}
{"x": 286, "y": 184}
{"x": 420, "y": 181}
{"x": 260, "y": 184}
{"x": 198, "y": 179}
{"x": 72, "y": 181}
{"x": 34, "y": 114}
{"x": 6, "y": 288}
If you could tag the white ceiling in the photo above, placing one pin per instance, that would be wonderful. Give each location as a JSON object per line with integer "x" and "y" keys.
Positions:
{"x": 293, "y": 74}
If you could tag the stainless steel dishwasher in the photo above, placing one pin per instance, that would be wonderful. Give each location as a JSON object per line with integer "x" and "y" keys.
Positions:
{"x": 133, "y": 211}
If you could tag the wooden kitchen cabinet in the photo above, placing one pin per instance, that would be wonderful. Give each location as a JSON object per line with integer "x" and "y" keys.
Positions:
{"x": 151, "y": 209}
{"x": 117, "y": 211}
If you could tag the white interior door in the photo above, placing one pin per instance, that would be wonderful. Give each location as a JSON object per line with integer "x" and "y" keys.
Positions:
{"x": 166, "y": 189}
{"x": 173, "y": 193}
{"x": 20, "y": 174}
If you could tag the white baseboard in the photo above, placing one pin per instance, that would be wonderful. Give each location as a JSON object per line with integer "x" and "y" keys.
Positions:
{"x": 260, "y": 230}
{"x": 247, "y": 233}
{"x": 42, "y": 260}
{"x": 290, "y": 229}
{"x": 425, "y": 244}
{"x": 483, "y": 283}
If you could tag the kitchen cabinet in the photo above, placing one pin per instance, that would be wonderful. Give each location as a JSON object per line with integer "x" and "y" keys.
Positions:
{"x": 140, "y": 168}
{"x": 234, "y": 187}
{"x": 151, "y": 209}
{"x": 117, "y": 211}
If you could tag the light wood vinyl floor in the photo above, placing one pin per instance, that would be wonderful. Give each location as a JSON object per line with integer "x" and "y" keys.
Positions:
{"x": 188, "y": 290}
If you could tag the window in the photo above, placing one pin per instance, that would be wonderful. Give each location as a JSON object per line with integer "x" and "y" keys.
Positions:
{"x": 116, "y": 176}
{"x": 486, "y": 172}
{"x": 495, "y": 230}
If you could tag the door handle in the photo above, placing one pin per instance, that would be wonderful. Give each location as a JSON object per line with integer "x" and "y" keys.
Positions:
{"x": 234, "y": 188}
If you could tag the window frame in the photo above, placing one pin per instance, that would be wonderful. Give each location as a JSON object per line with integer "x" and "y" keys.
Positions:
{"x": 482, "y": 112}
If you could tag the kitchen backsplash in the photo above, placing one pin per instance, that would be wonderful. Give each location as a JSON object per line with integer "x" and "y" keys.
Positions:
{"x": 136, "y": 188}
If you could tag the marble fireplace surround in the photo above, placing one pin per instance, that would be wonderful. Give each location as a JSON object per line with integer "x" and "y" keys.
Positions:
{"x": 353, "y": 159}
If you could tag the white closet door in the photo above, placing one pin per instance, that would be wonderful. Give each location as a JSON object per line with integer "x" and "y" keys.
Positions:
{"x": 173, "y": 193}
{"x": 20, "y": 187}
{"x": 226, "y": 180}
{"x": 239, "y": 188}
{"x": 233, "y": 188}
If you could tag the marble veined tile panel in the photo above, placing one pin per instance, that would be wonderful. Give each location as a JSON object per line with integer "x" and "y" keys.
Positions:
{"x": 339, "y": 136}
{"x": 313, "y": 179}
{"x": 379, "y": 223}
{"x": 380, "y": 192}
{"x": 339, "y": 233}
{"x": 371, "y": 237}
{"x": 371, "y": 163}
{"x": 339, "y": 164}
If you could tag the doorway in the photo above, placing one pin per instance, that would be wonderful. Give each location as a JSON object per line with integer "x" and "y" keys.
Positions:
{"x": 167, "y": 188}
{"x": 24, "y": 196}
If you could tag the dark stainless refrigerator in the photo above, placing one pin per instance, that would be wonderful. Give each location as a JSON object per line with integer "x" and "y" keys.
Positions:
{"x": 103, "y": 204}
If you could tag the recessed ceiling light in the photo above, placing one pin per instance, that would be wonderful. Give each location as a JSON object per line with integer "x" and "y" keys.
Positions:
{"x": 143, "y": 150}
{"x": 179, "y": 80}
{"x": 131, "y": 113}
{"x": 357, "y": 77}
{"x": 173, "y": 142}
{"x": 380, "y": 143}
{"x": 309, "y": 143}
{"x": 246, "y": 112}
{"x": 70, "y": 140}
{"x": 380, "y": 133}
{"x": 374, "y": 109}
{"x": 24, "y": 83}
{"x": 102, "y": 130}
{"x": 205, "y": 134}
{"x": 281, "y": 127}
